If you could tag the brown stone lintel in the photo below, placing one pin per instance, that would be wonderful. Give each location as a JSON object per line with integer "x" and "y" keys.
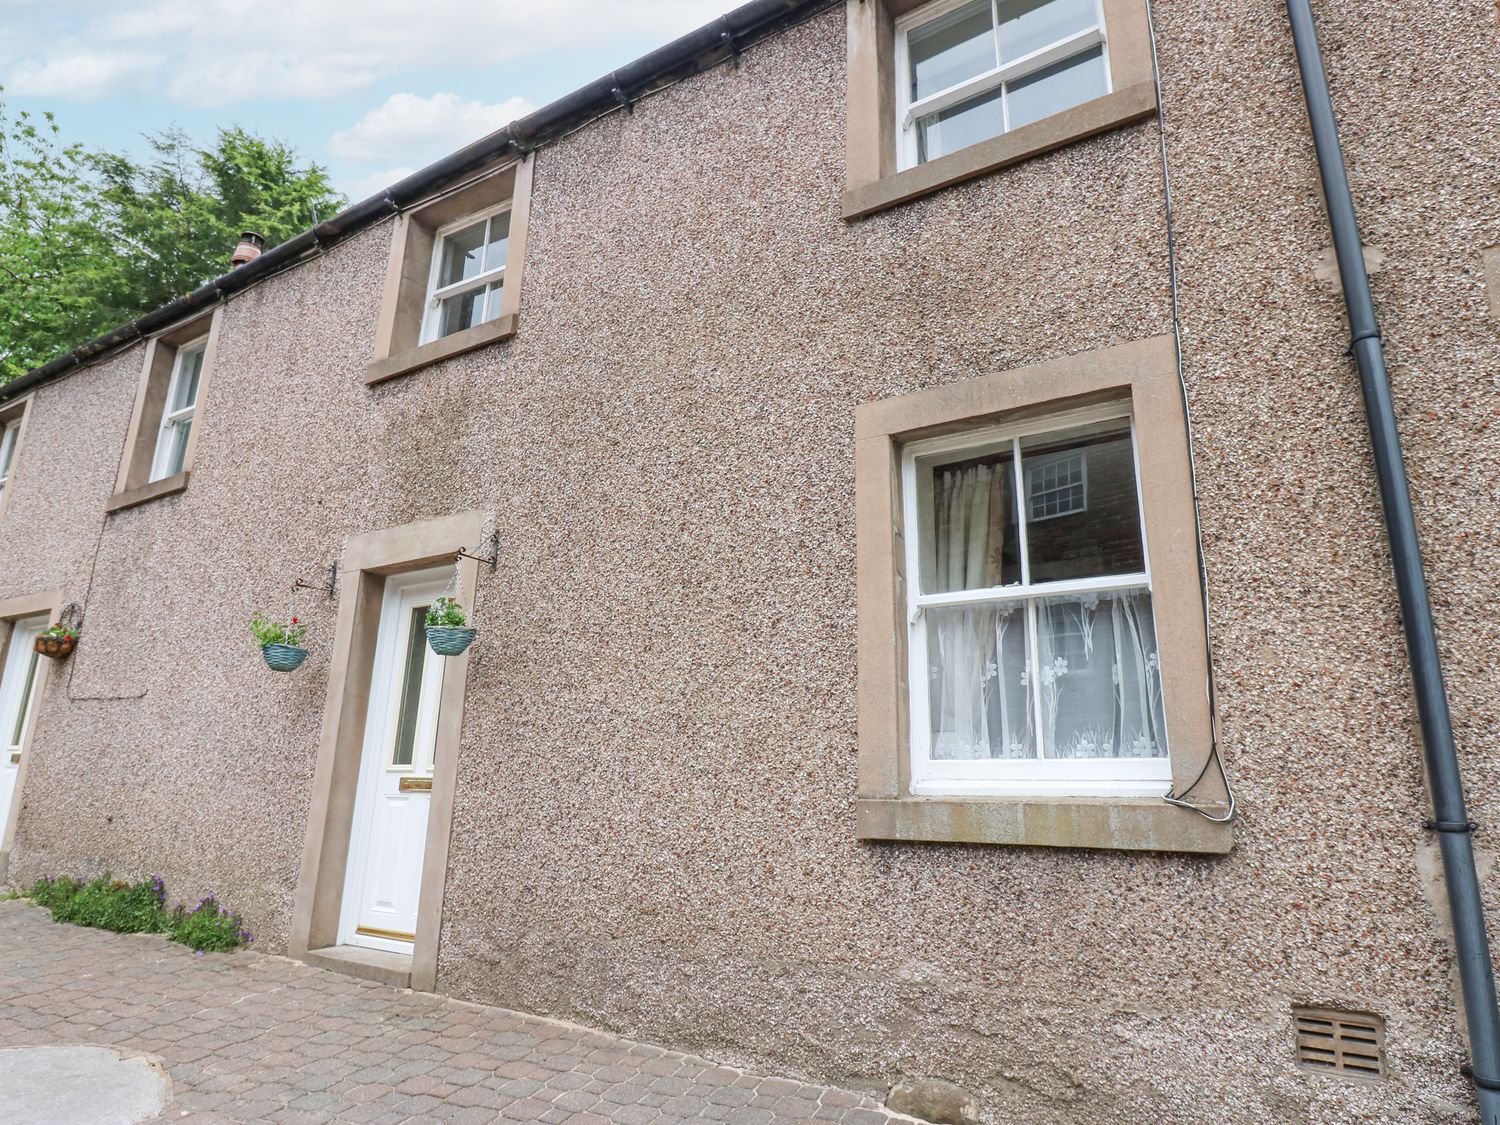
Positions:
{"x": 403, "y": 363}
{"x": 1128, "y": 823}
{"x": 1120, "y": 107}
{"x": 147, "y": 492}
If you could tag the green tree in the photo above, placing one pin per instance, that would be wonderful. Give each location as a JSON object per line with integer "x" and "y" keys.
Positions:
{"x": 51, "y": 241}
{"x": 91, "y": 240}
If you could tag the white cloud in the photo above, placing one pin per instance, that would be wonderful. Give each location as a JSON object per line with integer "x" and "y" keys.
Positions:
{"x": 362, "y": 187}
{"x": 82, "y": 76}
{"x": 409, "y": 127}
{"x": 219, "y": 52}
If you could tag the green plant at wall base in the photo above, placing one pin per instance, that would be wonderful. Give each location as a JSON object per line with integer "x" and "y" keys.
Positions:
{"x": 207, "y": 927}
{"x": 139, "y": 908}
{"x": 448, "y": 613}
{"x": 268, "y": 632}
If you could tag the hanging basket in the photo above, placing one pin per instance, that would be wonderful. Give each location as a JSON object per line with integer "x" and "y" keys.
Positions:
{"x": 449, "y": 640}
{"x": 58, "y": 648}
{"x": 283, "y": 658}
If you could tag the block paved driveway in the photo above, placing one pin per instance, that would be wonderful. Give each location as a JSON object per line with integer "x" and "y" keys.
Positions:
{"x": 248, "y": 1037}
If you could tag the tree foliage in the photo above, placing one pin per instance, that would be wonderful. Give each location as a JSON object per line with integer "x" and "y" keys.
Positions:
{"x": 90, "y": 240}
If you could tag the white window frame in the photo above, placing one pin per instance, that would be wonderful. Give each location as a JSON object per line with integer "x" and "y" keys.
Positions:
{"x": 436, "y": 295}
{"x": 1039, "y": 775}
{"x": 171, "y": 419}
{"x": 10, "y": 432}
{"x": 908, "y": 113}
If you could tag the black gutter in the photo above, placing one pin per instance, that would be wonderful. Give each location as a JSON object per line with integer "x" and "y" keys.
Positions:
{"x": 1450, "y": 816}
{"x": 708, "y": 46}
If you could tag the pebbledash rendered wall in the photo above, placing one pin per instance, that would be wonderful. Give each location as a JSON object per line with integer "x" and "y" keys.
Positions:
{"x": 654, "y": 827}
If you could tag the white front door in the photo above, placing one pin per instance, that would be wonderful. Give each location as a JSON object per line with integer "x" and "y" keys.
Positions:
{"x": 389, "y": 833}
{"x": 17, "y": 691}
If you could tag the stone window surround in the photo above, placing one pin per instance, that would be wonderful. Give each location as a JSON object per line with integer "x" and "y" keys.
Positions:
{"x": 366, "y": 562}
{"x": 873, "y": 181}
{"x": 398, "y": 350}
{"x": 1145, "y": 373}
{"x": 16, "y": 413}
{"x": 133, "y": 485}
{"x": 12, "y": 610}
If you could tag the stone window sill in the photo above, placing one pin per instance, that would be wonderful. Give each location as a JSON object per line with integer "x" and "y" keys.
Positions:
{"x": 132, "y": 497}
{"x": 1120, "y": 107}
{"x": 403, "y": 363}
{"x": 1124, "y": 823}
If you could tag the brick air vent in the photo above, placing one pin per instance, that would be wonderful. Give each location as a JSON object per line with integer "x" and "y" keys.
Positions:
{"x": 1347, "y": 1044}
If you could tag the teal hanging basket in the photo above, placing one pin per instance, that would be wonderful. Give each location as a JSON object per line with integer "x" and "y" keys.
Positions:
{"x": 449, "y": 640}
{"x": 283, "y": 658}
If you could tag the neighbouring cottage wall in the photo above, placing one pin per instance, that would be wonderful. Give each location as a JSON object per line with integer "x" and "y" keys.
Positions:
{"x": 654, "y": 819}
{"x": 71, "y": 443}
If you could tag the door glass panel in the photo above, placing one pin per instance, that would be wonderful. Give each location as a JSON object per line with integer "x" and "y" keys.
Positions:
{"x": 411, "y": 688}
{"x": 1083, "y": 519}
{"x": 461, "y": 254}
{"x": 1058, "y": 87}
{"x": 18, "y": 731}
{"x": 1030, "y": 25}
{"x": 978, "y": 699}
{"x": 967, "y": 123}
{"x": 951, "y": 49}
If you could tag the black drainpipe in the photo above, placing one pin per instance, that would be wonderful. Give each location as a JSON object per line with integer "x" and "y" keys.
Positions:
{"x": 1451, "y": 819}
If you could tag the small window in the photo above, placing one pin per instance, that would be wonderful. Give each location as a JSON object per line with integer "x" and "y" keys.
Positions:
{"x": 1034, "y": 664}
{"x": 164, "y": 424}
{"x": 10, "y": 430}
{"x": 177, "y": 412}
{"x": 468, "y": 274}
{"x": 1057, "y": 485}
{"x": 969, "y": 70}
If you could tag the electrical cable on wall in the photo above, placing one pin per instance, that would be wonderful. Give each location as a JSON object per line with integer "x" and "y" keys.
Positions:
{"x": 1172, "y": 797}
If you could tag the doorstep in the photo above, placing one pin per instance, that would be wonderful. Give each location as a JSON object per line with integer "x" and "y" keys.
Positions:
{"x": 370, "y": 964}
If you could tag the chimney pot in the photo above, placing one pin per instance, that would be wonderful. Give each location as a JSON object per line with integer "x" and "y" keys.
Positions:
{"x": 249, "y": 248}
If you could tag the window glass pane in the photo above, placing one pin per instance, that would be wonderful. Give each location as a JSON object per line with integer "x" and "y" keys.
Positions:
{"x": 411, "y": 688}
{"x": 461, "y": 254}
{"x": 951, "y": 49}
{"x": 7, "y": 447}
{"x": 1030, "y": 25}
{"x": 492, "y": 305}
{"x": 176, "y": 439}
{"x": 978, "y": 701}
{"x": 189, "y": 372}
{"x": 970, "y": 525}
{"x": 460, "y": 312}
{"x": 967, "y": 123}
{"x": 1083, "y": 518}
{"x": 494, "y": 252}
{"x": 1100, "y": 678}
{"x": 1057, "y": 87}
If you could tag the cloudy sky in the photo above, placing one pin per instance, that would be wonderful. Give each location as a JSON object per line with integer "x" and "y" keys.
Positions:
{"x": 373, "y": 89}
